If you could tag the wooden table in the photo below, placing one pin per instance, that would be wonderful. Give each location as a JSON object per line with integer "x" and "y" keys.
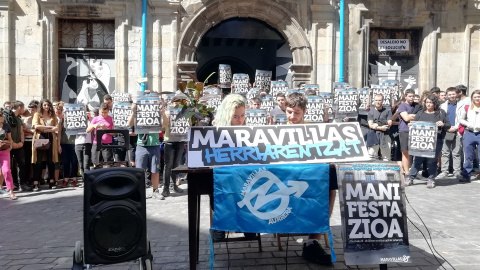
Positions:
{"x": 200, "y": 182}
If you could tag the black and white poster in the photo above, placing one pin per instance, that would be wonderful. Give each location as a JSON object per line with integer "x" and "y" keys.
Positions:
{"x": 179, "y": 127}
{"x": 268, "y": 103}
{"x": 86, "y": 77}
{"x": 241, "y": 83}
{"x": 212, "y": 101}
{"x": 395, "y": 92}
{"x": 211, "y": 90}
{"x": 256, "y": 117}
{"x": 278, "y": 87}
{"x": 328, "y": 101}
{"x": 263, "y": 79}
{"x": 338, "y": 86}
{"x": 148, "y": 116}
{"x": 315, "y": 110}
{"x": 121, "y": 97}
{"x": 121, "y": 113}
{"x": 422, "y": 138}
{"x": 279, "y": 119}
{"x": 363, "y": 99}
{"x": 224, "y": 76}
{"x": 75, "y": 119}
{"x": 253, "y": 92}
{"x": 243, "y": 145}
{"x": 347, "y": 103}
{"x": 374, "y": 218}
{"x": 311, "y": 90}
{"x": 384, "y": 91}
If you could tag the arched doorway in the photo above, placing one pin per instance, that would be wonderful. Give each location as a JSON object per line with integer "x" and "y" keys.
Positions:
{"x": 268, "y": 12}
{"x": 245, "y": 44}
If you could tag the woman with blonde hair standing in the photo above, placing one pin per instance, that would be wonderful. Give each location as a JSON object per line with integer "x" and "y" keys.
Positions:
{"x": 45, "y": 125}
{"x": 231, "y": 111}
{"x": 470, "y": 119}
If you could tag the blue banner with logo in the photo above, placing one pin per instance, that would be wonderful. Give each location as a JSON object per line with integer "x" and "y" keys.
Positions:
{"x": 272, "y": 198}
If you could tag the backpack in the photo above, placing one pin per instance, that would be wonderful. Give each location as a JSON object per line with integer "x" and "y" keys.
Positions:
{"x": 10, "y": 118}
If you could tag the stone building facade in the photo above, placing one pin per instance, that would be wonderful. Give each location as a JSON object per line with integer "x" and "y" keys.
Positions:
{"x": 55, "y": 48}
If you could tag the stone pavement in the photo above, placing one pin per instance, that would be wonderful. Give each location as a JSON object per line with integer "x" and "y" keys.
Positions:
{"x": 39, "y": 231}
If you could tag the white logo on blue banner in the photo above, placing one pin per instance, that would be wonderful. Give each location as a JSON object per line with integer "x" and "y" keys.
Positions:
{"x": 272, "y": 198}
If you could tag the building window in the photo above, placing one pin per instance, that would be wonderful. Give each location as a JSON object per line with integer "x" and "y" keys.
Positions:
{"x": 90, "y": 34}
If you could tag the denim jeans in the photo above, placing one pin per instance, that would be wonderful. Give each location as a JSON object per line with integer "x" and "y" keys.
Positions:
{"x": 470, "y": 140}
{"x": 173, "y": 154}
{"x": 431, "y": 163}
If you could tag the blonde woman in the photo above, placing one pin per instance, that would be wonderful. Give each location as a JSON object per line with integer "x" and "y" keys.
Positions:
{"x": 231, "y": 112}
{"x": 45, "y": 125}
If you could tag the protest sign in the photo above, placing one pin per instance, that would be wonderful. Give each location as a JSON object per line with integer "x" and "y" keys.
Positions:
{"x": 278, "y": 87}
{"x": 384, "y": 91}
{"x": 169, "y": 98}
{"x": 121, "y": 97}
{"x": 212, "y": 101}
{"x": 311, "y": 90}
{"x": 363, "y": 99}
{"x": 253, "y": 92}
{"x": 347, "y": 103}
{"x": 374, "y": 218}
{"x": 179, "y": 126}
{"x": 422, "y": 137}
{"x": 224, "y": 76}
{"x": 121, "y": 114}
{"x": 328, "y": 101}
{"x": 263, "y": 79}
{"x": 291, "y": 91}
{"x": 395, "y": 92}
{"x": 211, "y": 90}
{"x": 256, "y": 117}
{"x": 75, "y": 119}
{"x": 315, "y": 110}
{"x": 268, "y": 103}
{"x": 241, "y": 83}
{"x": 279, "y": 119}
{"x": 242, "y": 145}
{"x": 148, "y": 116}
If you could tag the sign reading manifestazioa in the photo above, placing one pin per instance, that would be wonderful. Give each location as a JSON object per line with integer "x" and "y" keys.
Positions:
{"x": 256, "y": 117}
{"x": 278, "y": 87}
{"x": 241, "y": 83}
{"x": 363, "y": 99}
{"x": 423, "y": 139}
{"x": 374, "y": 219}
{"x": 224, "y": 76}
{"x": 121, "y": 114}
{"x": 263, "y": 79}
{"x": 241, "y": 145}
{"x": 347, "y": 103}
{"x": 75, "y": 119}
{"x": 179, "y": 126}
{"x": 148, "y": 116}
{"x": 315, "y": 110}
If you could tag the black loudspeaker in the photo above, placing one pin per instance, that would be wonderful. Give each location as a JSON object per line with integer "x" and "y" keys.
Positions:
{"x": 114, "y": 215}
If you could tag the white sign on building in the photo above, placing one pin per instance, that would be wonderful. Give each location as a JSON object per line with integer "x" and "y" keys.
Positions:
{"x": 393, "y": 45}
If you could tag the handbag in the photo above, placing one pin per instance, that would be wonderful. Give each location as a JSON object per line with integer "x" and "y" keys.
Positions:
{"x": 41, "y": 144}
{"x": 4, "y": 145}
{"x": 461, "y": 128}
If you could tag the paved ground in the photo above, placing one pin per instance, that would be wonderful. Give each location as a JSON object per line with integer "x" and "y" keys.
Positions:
{"x": 40, "y": 229}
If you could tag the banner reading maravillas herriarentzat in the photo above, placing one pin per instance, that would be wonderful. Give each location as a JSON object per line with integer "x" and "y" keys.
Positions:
{"x": 244, "y": 145}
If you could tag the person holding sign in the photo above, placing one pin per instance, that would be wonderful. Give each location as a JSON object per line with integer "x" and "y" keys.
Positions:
{"x": 405, "y": 110}
{"x": 103, "y": 121}
{"x": 470, "y": 118}
{"x": 147, "y": 155}
{"x": 296, "y": 106}
{"x": 431, "y": 113}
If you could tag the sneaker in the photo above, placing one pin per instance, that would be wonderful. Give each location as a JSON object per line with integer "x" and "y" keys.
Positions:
{"x": 458, "y": 176}
{"x": 430, "y": 183}
{"x": 218, "y": 235}
{"x": 442, "y": 175}
{"x": 36, "y": 188}
{"x": 408, "y": 181}
{"x": 177, "y": 189}
{"x": 25, "y": 188}
{"x": 315, "y": 253}
{"x": 165, "y": 193}
{"x": 157, "y": 196}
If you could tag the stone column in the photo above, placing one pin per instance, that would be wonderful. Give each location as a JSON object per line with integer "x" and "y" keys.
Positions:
{"x": 5, "y": 50}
